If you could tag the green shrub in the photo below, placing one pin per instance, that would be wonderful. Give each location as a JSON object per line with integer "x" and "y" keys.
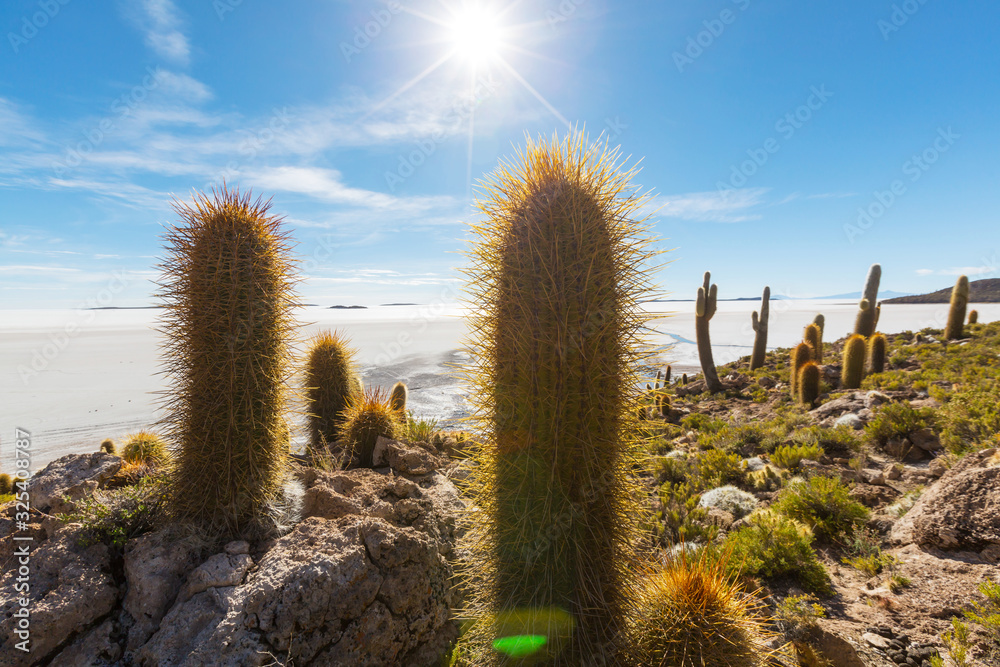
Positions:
{"x": 746, "y": 439}
{"x": 835, "y": 441}
{"x": 115, "y": 517}
{"x": 678, "y": 517}
{"x": 717, "y": 468}
{"x": 703, "y": 423}
{"x": 790, "y": 456}
{"x": 823, "y": 504}
{"x": 773, "y": 545}
{"x": 896, "y": 420}
{"x": 418, "y": 430}
{"x": 987, "y": 614}
{"x": 798, "y": 613}
{"x": 971, "y": 420}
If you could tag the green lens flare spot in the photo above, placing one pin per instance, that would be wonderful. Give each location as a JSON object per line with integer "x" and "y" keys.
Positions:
{"x": 519, "y": 646}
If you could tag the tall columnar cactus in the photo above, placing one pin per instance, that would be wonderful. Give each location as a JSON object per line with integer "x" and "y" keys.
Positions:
{"x": 973, "y": 316}
{"x": 853, "y": 368}
{"x": 864, "y": 324}
{"x": 808, "y": 383}
{"x": 397, "y": 400}
{"x": 330, "y": 380}
{"x": 704, "y": 311}
{"x": 760, "y": 327}
{"x": 228, "y": 291}
{"x": 820, "y": 321}
{"x": 956, "y": 311}
{"x": 813, "y": 337}
{"x": 558, "y": 270}
{"x": 876, "y": 353}
{"x": 801, "y": 355}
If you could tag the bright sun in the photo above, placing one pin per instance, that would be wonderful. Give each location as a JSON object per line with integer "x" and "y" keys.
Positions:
{"x": 476, "y": 34}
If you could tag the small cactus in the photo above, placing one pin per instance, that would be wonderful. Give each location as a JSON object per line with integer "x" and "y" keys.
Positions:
{"x": 666, "y": 375}
{"x": 876, "y": 353}
{"x": 820, "y": 321}
{"x": 956, "y": 311}
{"x": 684, "y": 379}
{"x": 397, "y": 400}
{"x": 973, "y": 316}
{"x": 867, "y": 318}
{"x": 663, "y": 405}
{"x": 367, "y": 417}
{"x": 6, "y": 485}
{"x": 808, "y": 383}
{"x": 330, "y": 380}
{"x": 801, "y": 355}
{"x": 144, "y": 447}
{"x": 108, "y": 446}
{"x": 704, "y": 311}
{"x": 853, "y": 368}
{"x": 813, "y": 337}
{"x": 760, "y": 327}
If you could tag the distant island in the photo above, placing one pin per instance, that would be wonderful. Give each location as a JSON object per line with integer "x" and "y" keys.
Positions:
{"x": 980, "y": 291}
{"x": 350, "y": 307}
{"x": 399, "y": 304}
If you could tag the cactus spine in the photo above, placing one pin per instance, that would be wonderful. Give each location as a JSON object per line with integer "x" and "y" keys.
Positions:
{"x": 228, "y": 289}
{"x": 397, "y": 400}
{"x": 876, "y": 353}
{"x": 760, "y": 327}
{"x": 867, "y": 318}
{"x": 557, "y": 272}
{"x": 331, "y": 380}
{"x": 853, "y": 369}
{"x": 704, "y": 311}
{"x": 801, "y": 355}
{"x": 973, "y": 316}
{"x": 956, "y": 311}
{"x": 813, "y": 337}
{"x": 808, "y": 383}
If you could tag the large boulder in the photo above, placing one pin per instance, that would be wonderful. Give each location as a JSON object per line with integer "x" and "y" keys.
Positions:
{"x": 960, "y": 511}
{"x": 356, "y": 590}
{"x": 71, "y": 588}
{"x": 72, "y": 476}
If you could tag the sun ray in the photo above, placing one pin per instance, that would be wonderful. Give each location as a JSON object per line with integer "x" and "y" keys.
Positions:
{"x": 555, "y": 112}
{"x": 412, "y": 82}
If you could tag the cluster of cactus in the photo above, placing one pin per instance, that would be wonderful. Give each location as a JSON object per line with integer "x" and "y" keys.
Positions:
{"x": 558, "y": 271}
{"x": 331, "y": 379}
{"x": 956, "y": 310}
{"x": 368, "y": 416}
{"x": 659, "y": 396}
{"x": 813, "y": 337}
{"x": 801, "y": 355}
{"x": 228, "y": 293}
{"x": 759, "y": 323}
{"x": 868, "y": 310}
{"x": 704, "y": 311}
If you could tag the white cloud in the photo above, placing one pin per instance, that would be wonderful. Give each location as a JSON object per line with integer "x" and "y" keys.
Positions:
{"x": 160, "y": 21}
{"x": 713, "y": 206}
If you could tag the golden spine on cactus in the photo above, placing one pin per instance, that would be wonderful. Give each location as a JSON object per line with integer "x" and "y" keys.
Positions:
{"x": 760, "y": 327}
{"x": 808, "y": 383}
{"x": 330, "y": 380}
{"x": 801, "y": 355}
{"x": 973, "y": 316}
{"x": 956, "y": 310}
{"x": 876, "y": 353}
{"x": 813, "y": 337}
{"x": 108, "y": 446}
{"x": 853, "y": 366}
{"x": 397, "y": 400}
{"x": 704, "y": 312}
{"x": 864, "y": 324}
{"x": 228, "y": 292}
{"x": 558, "y": 270}
{"x": 368, "y": 416}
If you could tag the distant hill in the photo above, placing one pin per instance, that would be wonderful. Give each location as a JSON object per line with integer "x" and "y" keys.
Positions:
{"x": 884, "y": 295}
{"x": 980, "y": 291}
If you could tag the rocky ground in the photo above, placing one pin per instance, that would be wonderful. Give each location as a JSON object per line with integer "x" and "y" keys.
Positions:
{"x": 365, "y": 574}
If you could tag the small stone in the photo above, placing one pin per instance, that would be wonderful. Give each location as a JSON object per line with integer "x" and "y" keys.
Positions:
{"x": 936, "y": 468}
{"x": 238, "y": 547}
{"x": 878, "y": 641}
{"x": 893, "y": 471}
{"x": 851, "y": 420}
{"x": 875, "y": 398}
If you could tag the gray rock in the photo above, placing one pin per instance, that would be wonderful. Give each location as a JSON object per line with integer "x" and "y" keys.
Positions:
{"x": 219, "y": 571}
{"x": 875, "y": 398}
{"x": 878, "y": 641}
{"x": 73, "y": 476}
{"x": 926, "y": 439}
{"x": 959, "y": 511}
{"x": 71, "y": 588}
{"x": 96, "y": 647}
{"x": 851, "y": 402}
{"x": 851, "y": 420}
{"x": 407, "y": 460}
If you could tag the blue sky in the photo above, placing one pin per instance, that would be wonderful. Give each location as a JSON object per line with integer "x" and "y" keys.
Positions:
{"x": 789, "y": 143}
